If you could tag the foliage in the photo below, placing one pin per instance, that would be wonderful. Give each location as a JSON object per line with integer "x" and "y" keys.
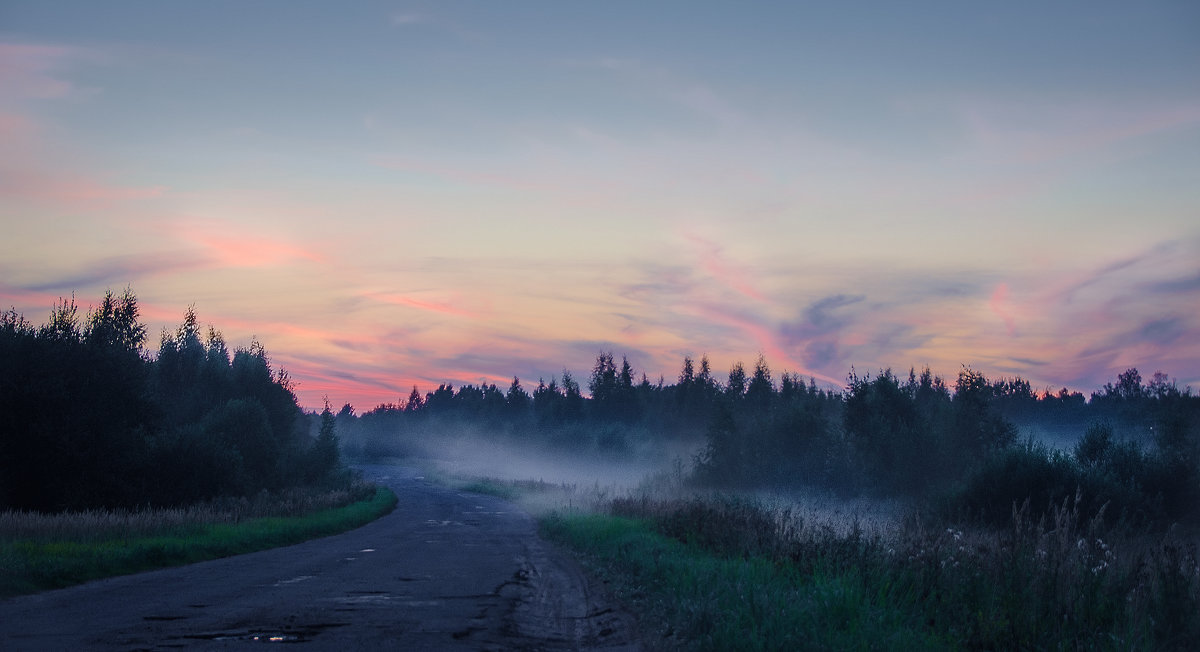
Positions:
{"x": 731, "y": 574}
{"x": 91, "y": 420}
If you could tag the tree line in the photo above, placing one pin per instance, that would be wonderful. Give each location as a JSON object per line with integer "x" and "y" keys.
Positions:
{"x": 1134, "y": 447}
{"x": 91, "y": 419}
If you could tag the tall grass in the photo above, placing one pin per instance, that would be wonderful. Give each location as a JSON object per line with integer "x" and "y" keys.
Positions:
{"x": 729, "y": 573}
{"x": 39, "y": 552}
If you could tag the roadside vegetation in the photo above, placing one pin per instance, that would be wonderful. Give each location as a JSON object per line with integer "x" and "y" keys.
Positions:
{"x": 114, "y": 459}
{"x": 47, "y": 551}
{"x": 729, "y": 573}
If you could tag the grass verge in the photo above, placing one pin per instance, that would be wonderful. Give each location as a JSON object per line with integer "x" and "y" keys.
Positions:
{"x": 704, "y": 600}
{"x": 36, "y": 563}
{"x": 718, "y": 574}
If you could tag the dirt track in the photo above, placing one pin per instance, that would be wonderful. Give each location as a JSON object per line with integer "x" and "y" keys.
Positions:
{"x": 446, "y": 570}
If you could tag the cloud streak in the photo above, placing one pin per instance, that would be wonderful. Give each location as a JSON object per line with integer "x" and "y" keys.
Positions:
{"x": 425, "y": 305}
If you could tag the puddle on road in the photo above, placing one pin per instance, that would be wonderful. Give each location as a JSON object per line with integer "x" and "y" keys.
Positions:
{"x": 299, "y": 578}
{"x": 287, "y": 635}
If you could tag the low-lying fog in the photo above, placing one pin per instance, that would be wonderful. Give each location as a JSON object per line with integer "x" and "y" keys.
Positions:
{"x": 466, "y": 455}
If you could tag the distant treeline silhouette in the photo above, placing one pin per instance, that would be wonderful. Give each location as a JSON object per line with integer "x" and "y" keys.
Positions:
{"x": 88, "y": 419}
{"x": 968, "y": 447}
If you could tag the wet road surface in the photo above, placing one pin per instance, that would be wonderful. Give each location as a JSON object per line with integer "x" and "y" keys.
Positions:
{"x": 447, "y": 570}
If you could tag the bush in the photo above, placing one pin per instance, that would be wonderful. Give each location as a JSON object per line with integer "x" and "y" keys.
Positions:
{"x": 1029, "y": 474}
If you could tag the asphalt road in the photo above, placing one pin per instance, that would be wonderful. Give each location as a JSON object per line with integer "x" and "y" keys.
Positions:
{"x": 446, "y": 570}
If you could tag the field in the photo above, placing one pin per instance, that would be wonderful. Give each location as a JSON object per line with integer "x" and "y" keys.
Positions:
{"x": 39, "y": 552}
{"x": 715, "y": 571}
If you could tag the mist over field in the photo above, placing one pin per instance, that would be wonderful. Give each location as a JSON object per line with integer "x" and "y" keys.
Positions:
{"x": 918, "y": 438}
{"x": 475, "y": 454}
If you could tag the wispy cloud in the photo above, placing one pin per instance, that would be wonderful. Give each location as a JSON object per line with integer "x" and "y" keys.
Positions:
{"x": 820, "y": 332}
{"x": 429, "y": 305}
{"x": 30, "y": 70}
{"x": 1184, "y": 285}
{"x": 67, "y": 188}
{"x": 119, "y": 271}
{"x": 402, "y": 18}
{"x": 1041, "y": 132}
{"x": 462, "y": 175}
{"x": 230, "y": 245}
{"x": 999, "y": 305}
{"x": 720, "y": 269}
{"x": 31, "y": 170}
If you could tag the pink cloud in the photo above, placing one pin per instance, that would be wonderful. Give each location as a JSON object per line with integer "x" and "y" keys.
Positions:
{"x": 25, "y": 301}
{"x": 999, "y": 305}
{"x": 231, "y": 246}
{"x": 362, "y": 388}
{"x": 254, "y": 252}
{"x": 431, "y": 306}
{"x": 765, "y": 338}
{"x": 713, "y": 262}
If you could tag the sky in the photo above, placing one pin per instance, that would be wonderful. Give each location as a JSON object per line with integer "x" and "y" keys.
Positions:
{"x": 390, "y": 194}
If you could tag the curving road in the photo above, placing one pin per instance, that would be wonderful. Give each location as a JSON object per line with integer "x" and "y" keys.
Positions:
{"x": 446, "y": 570}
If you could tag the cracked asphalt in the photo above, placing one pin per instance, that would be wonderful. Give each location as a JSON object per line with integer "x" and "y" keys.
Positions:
{"x": 447, "y": 570}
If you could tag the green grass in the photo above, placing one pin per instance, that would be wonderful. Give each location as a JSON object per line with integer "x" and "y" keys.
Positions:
{"x": 716, "y": 574}
{"x": 523, "y": 491}
{"x": 703, "y": 600}
{"x": 35, "y": 563}
{"x": 492, "y": 487}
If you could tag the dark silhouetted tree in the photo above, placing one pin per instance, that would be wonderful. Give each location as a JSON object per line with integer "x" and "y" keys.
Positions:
{"x": 115, "y": 323}
{"x": 736, "y": 386}
{"x": 415, "y": 401}
{"x": 323, "y": 457}
{"x": 572, "y": 398}
{"x": 761, "y": 389}
{"x": 978, "y": 428}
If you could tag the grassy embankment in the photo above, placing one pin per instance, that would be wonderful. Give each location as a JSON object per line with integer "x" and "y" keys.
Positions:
{"x": 39, "y": 552}
{"x": 731, "y": 574}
